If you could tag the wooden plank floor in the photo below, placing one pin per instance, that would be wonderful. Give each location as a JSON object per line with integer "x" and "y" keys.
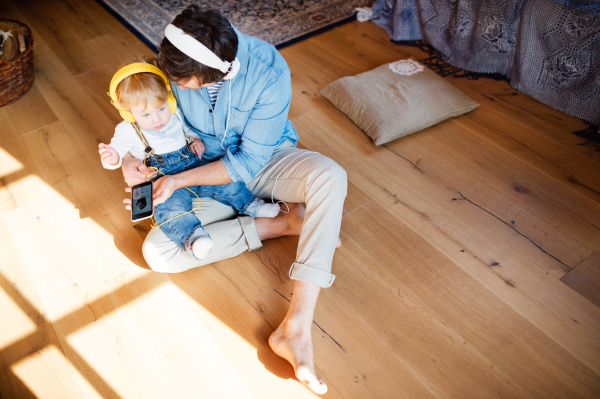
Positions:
{"x": 470, "y": 263}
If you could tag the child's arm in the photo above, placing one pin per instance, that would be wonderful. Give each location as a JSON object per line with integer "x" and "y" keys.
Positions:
{"x": 109, "y": 156}
{"x": 121, "y": 143}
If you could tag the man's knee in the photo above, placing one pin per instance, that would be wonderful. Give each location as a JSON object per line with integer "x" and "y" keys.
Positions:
{"x": 154, "y": 256}
{"x": 334, "y": 175}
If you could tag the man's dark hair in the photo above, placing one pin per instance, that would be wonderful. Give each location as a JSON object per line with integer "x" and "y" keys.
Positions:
{"x": 209, "y": 28}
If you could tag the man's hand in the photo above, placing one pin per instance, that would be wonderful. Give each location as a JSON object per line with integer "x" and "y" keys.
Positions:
{"x": 197, "y": 146}
{"x": 162, "y": 189}
{"x": 108, "y": 154}
{"x": 127, "y": 201}
{"x": 134, "y": 171}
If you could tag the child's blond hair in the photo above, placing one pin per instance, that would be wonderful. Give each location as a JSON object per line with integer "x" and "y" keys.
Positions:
{"x": 141, "y": 88}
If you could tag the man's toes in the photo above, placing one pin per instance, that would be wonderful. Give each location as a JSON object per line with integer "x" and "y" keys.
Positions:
{"x": 306, "y": 377}
{"x": 339, "y": 243}
{"x": 318, "y": 387}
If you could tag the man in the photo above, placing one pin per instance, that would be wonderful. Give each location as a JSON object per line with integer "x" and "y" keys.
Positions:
{"x": 235, "y": 91}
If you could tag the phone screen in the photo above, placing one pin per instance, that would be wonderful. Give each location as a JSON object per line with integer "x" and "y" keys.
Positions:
{"x": 141, "y": 201}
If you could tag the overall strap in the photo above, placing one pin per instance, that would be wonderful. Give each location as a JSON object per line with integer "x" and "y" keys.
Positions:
{"x": 188, "y": 139}
{"x": 148, "y": 151}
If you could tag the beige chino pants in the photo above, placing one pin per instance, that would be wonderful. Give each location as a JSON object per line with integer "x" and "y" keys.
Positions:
{"x": 302, "y": 177}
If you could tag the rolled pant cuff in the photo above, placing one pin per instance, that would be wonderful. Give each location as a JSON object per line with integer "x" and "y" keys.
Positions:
{"x": 250, "y": 232}
{"x": 199, "y": 232}
{"x": 309, "y": 274}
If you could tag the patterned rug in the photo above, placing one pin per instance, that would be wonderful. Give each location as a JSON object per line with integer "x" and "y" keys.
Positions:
{"x": 279, "y": 22}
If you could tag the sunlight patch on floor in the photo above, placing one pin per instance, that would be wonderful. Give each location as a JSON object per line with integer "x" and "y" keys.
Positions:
{"x": 9, "y": 163}
{"x": 21, "y": 324}
{"x": 42, "y": 372}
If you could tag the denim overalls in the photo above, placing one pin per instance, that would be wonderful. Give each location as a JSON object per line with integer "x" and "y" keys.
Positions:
{"x": 187, "y": 228}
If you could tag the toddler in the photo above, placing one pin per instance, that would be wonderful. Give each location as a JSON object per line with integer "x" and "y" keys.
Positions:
{"x": 156, "y": 132}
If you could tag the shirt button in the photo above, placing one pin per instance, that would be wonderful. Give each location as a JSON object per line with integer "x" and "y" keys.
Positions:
{"x": 210, "y": 111}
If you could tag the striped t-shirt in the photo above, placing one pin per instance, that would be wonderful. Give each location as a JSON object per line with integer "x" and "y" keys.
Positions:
{"x": 213, "y": 92}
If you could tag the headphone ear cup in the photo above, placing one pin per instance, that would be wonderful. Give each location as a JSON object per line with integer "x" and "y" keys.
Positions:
{"x": 172, "y": 104}
{"x": 127, "y": 115}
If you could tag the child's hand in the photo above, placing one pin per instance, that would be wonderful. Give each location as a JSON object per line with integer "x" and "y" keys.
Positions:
{"x": 197, "y": 146}
{"x": 108, "y": 154}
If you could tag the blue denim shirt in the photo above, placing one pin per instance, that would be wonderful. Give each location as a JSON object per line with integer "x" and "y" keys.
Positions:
{"x": 260, "y": 101}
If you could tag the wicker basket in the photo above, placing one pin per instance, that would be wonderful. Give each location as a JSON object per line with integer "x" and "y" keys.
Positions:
{"x": 16, "y": 75}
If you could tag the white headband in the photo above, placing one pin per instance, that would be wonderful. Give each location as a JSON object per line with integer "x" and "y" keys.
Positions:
{"x": 199, "y": 52}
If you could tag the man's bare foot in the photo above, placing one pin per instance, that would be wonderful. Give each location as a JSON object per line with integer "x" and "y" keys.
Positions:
{"x": 285, "y": 224}
{"x": 294, "y": 218}
{"x": 294, "y": 344}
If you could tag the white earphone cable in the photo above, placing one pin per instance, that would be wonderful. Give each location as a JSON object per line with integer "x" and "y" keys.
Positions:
{"x": 283, "y": 170}
{"x": 228, "y": 112}
{"x": 277, "y": 178}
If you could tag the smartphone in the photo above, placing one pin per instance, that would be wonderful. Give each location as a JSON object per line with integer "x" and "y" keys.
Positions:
{"x": 141, "y": 201}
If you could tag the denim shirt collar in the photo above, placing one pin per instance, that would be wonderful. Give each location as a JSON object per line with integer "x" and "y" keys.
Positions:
{"x": 242, "y": 53}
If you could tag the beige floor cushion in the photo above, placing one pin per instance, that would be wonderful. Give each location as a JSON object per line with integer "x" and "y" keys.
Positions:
{"x": 397, "y": 99}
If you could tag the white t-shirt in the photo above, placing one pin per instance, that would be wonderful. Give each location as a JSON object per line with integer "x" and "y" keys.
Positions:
{"x": 168, "y": 139}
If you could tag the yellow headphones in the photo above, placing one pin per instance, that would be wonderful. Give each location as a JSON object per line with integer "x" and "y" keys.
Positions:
{"x": 131, "y": 69}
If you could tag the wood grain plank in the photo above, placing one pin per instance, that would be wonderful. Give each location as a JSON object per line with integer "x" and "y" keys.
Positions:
{"x": 82, "y": 119}
{"x": 437, "y": 286}
{"x": 94, "y": 17}
{"x": 240, "y": 325}
{"x": 101, "y": 348}
{"x": 428, "y": 349}
{"x": 58, "y": 157}
{"x": 497, "y": 98}
{"x": 67, "y": 171}
{"x": 355, "y": 199}
{"x": 14, "y": 278}
{"x": 309, "y": 77}
{"x": 531, "y": 292}
{"x": 503, "y": 194}
{"x": 565, "y": 165}
{"x": 28, "y": 333}
{"x": 32, "y": 362}
{"x": 114, "y": 344}
{"x": 31, "y": 112}
{"x": 66, "y": 42}
{"x": 585, "y": 278}
{"x": 19, "y": 176}
{"x": 349, "y": 357}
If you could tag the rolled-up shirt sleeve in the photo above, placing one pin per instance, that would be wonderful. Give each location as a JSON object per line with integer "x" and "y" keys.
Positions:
{"x": 263, "y": 131}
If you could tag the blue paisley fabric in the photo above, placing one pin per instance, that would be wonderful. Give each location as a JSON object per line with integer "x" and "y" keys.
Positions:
{"x": 548, "y": 49}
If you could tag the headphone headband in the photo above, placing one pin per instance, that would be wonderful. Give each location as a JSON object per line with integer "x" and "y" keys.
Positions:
{"x": 199, "y": 52}
{"x": 132, "y": 69}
